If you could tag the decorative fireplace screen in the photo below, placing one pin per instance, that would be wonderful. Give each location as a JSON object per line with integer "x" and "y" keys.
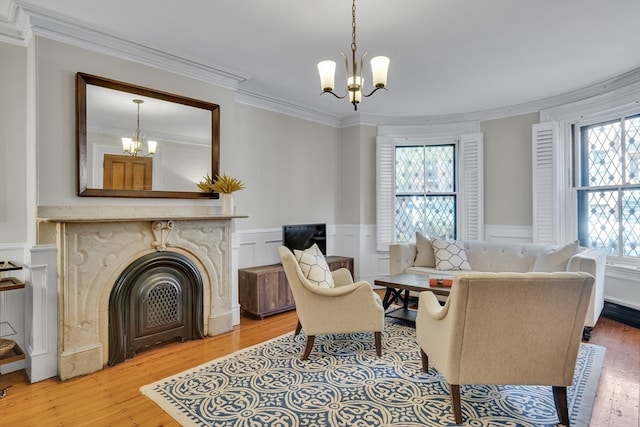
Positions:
{"x": 156, "y": 299}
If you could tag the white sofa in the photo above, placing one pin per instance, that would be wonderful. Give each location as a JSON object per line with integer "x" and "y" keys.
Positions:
{"x": 485, "y": 256}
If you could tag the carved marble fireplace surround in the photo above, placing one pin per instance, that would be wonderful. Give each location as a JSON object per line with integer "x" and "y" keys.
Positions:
{"x": 95, "y": 245}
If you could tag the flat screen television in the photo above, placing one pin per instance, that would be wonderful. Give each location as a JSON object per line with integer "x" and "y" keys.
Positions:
{"x": 303, "y": 236}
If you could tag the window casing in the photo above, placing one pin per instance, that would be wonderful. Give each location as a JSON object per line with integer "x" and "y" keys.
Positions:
{"x": 607, "y": 184}
{"x": 467, "y": 186}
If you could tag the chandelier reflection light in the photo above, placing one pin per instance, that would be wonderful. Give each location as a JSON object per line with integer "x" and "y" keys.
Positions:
{"x": 133, "y": 146}
{"x": 355, "y": 82}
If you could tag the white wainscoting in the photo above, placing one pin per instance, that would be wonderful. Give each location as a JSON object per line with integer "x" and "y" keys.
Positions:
{"x": 622, "y": 285}
{"x": 260, "y": 247}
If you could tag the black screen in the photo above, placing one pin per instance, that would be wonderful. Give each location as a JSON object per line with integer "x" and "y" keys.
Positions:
{"x": 303, "y": 236}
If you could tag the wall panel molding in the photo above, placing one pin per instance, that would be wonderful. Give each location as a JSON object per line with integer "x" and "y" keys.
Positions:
{"x": 508, "y": 233}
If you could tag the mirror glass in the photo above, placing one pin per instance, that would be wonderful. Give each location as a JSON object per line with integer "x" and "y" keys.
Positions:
{"x": 186, "y": 134}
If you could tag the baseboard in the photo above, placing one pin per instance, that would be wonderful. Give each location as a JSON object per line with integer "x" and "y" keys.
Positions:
{"x": 621, "y": 314}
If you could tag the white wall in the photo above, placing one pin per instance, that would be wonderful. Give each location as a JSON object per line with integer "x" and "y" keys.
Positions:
{"x": 507, "y": 170}
{"x": 358, "y": 186}
{"x": 290, "y": 168}
{"x": 13, "y": 125}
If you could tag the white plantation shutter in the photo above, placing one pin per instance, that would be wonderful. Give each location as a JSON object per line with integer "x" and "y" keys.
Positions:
{"x": 471, "y": 191}
{"x": 545, "y": 182}
{"x": 385, "y": 192}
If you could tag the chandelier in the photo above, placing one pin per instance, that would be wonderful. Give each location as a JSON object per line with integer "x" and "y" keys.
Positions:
{"x": 355, "y": 82}
{"x": 133, "y": 146}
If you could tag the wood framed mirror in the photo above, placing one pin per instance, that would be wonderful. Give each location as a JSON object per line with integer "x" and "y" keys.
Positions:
{"x": 186, "y": 130}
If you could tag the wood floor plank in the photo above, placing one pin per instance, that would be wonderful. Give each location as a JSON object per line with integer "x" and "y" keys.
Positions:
{"x": 112, "y": 396}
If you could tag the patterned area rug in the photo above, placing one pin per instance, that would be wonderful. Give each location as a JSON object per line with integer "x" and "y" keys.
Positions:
{"x": 344, "y": 384}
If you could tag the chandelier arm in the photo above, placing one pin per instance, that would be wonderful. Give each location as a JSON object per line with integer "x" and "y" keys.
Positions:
{"x": 362, "y": 68}
{"x": 333, "y": 93}
{"x": 374, "y": 91}
{"x": 346, "y": 69}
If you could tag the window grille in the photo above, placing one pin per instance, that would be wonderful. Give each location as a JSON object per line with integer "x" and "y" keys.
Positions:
{"x": 608, "y": 186}
{"x": 425, "y": 191}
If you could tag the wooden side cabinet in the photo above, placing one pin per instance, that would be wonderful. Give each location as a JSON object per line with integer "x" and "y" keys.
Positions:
{"x": 264, "y": 290}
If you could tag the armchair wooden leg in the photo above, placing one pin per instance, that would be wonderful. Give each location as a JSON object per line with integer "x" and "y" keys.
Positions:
{"x": 378, "y": 338}
{"x": 455, "y": 402}
{"x": 560, "y": 399}
{"x": 308, "y": 347}
{"x": 425, "y": 361}
{"x": 298, "y": 328}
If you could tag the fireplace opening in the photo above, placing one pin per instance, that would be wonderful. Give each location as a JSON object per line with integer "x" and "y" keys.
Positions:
{"x": 156, "y": 299}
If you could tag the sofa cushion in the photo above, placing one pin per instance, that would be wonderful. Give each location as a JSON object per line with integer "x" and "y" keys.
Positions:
{"x": 450, "y": 255}
{"x": 496, "y": 256}
{"x": 314, "y": 266}
{"x": 555, "y": 257}
{"x": 424, "y": 252}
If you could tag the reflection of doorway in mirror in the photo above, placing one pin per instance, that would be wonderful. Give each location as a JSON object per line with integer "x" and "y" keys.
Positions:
{"x": 97, "y": 155}
{"x": 127, "y": 172}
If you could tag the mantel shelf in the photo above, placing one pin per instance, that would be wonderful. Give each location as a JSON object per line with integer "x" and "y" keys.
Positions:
{"x": 148, "y": 218}
{"x": 94, "y": 214}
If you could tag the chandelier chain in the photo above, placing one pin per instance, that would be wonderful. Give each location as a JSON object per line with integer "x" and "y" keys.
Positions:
{"x": 138, "y": 101}
{"x": 353, "y": 26}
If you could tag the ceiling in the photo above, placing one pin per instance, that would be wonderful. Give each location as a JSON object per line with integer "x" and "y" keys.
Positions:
{"x": 448, "y": 57}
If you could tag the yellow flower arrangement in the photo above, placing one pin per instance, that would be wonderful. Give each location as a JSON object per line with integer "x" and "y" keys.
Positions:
{"x": 223, "y": 184}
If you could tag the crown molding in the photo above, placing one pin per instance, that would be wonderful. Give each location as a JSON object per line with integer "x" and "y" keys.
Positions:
{"x": 615, "y": 101}
{"x": 19, "y": 22}
{"x": 14, "y": 24}
{"x": 61, "y": 29}
{"x": 287, "y": 108}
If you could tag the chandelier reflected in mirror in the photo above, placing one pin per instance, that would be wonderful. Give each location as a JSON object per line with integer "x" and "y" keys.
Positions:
{"x": 355, "y": 81}
{"x": 133, "y": 146}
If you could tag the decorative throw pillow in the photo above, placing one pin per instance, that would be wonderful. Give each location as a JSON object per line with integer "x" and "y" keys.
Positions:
{"x": 424, "y": 255}
{"x": 450, "y": 255}
{"x": 314, "y": 266}
{"x": 555, "y": 257}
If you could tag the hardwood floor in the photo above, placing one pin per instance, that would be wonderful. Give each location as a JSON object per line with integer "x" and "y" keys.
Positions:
{"x": 111, "y": 397}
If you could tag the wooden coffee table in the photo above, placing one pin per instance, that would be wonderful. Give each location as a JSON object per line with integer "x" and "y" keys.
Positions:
{"x": 398, "y": 288}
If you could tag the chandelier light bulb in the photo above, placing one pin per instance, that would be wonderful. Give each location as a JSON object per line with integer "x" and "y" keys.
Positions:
{"x": 152, "y": 146}
{"x": 126, "y": 145}
{"x": 327, "y": 70}
{"x": 379, "y": 69}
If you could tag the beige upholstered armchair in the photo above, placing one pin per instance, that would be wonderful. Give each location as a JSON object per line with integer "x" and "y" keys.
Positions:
{"x": 347, "y": 308}
{"x": 506, "y": 328}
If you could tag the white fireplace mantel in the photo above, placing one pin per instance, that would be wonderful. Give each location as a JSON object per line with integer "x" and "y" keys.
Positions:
{"x": 95, "y": 245}
{"x": 127, "y": 213}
